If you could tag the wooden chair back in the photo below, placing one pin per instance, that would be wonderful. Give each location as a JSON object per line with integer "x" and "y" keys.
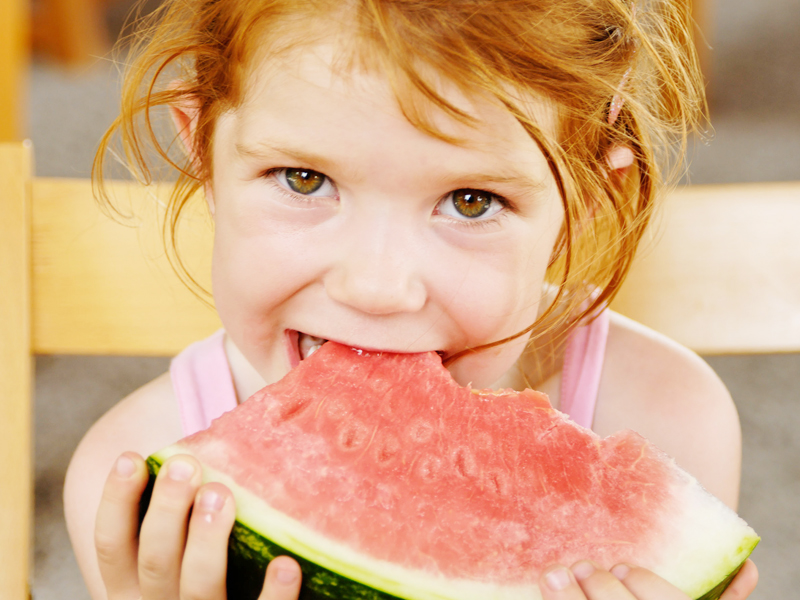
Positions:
{"x": 721, "y": 272}
{"x": 721, "y": 275}
{"x": 72, "y": 281}
{"x": 14, "y": 59}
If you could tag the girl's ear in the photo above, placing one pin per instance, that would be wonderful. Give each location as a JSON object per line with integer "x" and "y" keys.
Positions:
{"x": 619, "y": 160}
{"x": 185, "y": 113}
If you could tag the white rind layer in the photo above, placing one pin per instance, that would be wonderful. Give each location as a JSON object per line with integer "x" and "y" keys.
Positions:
{"x": 707, "y": 530}
{"x": 710, "y": 531}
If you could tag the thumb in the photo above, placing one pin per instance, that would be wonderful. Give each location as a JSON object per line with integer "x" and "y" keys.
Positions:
{"x": 282, "y": 581}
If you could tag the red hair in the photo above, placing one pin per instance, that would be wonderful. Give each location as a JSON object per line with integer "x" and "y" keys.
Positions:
{"x": 572, "y": 52}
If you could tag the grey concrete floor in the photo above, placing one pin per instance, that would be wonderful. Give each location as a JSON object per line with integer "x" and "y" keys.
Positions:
{"x": 756, "y": 115}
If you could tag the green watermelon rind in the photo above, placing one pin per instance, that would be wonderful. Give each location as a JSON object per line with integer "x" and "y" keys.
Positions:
{"x": 248, "y": 556}
{"x": 716, "y": 591}
{"x": 326, "y": 575}
{"x": 716, "y": 525}
{"x": 334, "y": 561}
{"x": 717, "y": 587}
{"x": 249, "y": 553}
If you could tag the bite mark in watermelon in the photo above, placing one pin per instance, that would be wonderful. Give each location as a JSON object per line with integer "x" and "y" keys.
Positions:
{"x": 386, "y": 479}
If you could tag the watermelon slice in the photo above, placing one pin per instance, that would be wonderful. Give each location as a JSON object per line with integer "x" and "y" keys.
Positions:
{"x": 386, "y": 479}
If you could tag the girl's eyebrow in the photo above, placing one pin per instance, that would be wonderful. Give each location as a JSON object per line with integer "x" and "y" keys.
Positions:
{"x": 508, "y": 177}
{"x": 264, "y": 149}
{"x": 511, "y": 179}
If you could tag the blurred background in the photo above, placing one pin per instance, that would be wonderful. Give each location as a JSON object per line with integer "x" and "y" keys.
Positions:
{"x": 751, "y": 59}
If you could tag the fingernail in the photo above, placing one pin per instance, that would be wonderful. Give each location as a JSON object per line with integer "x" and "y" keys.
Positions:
{"x": 180, "y": 471}
{"x": 557, "y": 579}
{"x": 211, "y": 501}
{"x": 620, "y": 571}
{"x": 125, "y": 467}
{"x": 583, "y": 570}
{"x": 286, "y": 576}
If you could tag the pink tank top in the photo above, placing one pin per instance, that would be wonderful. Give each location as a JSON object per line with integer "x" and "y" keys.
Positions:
{"x": 203, "y": 384}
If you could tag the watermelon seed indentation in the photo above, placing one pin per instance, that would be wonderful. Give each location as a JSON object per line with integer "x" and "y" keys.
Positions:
{"x": 386, "y": 448}
{"x": 420, "y": 431}
{"x": 353, "y": 436}
{"x": 464, "y": 463}
{"x": 293, "y": 408}
{"x": 497, "y": 482}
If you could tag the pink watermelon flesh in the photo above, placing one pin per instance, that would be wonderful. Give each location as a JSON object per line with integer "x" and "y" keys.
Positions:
{"x": 387, "y": 455}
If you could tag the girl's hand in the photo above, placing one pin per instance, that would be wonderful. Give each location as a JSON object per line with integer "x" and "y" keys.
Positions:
{"x": 176, "y": 556}
{"x": 587, "y": 581}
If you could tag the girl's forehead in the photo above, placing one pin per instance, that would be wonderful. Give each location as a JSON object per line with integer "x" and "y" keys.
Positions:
{"x": 321, "y": 85}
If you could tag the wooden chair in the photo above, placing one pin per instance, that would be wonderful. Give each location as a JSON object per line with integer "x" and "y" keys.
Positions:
{"x": 721, "y": 272}
{"x": 14, "y": 58}
{"x": 72, "y": 32}
{"x": 721, "y": 275}
{"x": 73, "y": 281}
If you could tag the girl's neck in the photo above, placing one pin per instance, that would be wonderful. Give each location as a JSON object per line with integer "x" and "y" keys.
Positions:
{"x": 540, "y": 365}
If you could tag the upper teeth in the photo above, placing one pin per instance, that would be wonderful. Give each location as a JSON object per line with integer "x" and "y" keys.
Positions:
{"x": 309, "y": 344}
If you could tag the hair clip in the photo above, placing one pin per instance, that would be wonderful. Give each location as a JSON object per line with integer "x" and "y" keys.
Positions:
{"x": 617, "y": 102}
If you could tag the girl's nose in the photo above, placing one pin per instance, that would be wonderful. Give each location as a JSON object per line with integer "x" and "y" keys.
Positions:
{"x": 377, "y": 273}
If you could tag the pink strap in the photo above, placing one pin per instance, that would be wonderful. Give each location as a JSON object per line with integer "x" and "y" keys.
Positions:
{"x": 583, "y": 365}
{"x": 201, "y": 378}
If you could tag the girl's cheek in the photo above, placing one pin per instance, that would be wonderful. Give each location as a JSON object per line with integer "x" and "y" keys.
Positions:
{"x": 256, "y": 209}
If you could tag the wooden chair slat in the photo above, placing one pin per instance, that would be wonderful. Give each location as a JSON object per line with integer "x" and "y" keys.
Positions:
{"x": 721, "y": 273}
{"x": 16, "y": 464}
{"x": 103, "y": 288}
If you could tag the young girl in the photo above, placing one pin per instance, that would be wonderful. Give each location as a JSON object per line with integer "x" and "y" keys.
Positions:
{"x": 470, "y": 177}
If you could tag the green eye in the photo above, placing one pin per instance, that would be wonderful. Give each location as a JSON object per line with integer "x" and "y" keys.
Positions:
{"x": 304, "y": 181}
{"x": 472, "y": 203}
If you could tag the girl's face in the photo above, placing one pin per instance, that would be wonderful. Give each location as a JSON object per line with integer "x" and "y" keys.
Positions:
{"x": 337, "y": 219}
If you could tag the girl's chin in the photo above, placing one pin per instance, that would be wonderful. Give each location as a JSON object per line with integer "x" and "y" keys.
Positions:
{"x": 491, "y": 369}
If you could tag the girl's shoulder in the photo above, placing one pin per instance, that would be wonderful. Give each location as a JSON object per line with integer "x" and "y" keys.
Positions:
{"x": 668, "y": 394}
{"x": 143, "y": 422}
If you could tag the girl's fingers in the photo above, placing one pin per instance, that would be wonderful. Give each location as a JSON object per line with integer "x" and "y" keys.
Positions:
{"x": 205, "y": 558}
{"x": 117, "y": 527}
{"x": 743, "y": 584}
{"x": 163, "y": 534}
{"x": 586, "y": 581}
{"x": 645, "y": 584}
{"x": 599, "y": 584}
{"x": 282, "y": 581}
{"x": 559, "y": 583}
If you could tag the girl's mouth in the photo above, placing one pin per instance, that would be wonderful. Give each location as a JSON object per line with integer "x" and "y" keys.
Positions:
{"x": 302, "y": 345}
{"x": 308, "y": 344}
